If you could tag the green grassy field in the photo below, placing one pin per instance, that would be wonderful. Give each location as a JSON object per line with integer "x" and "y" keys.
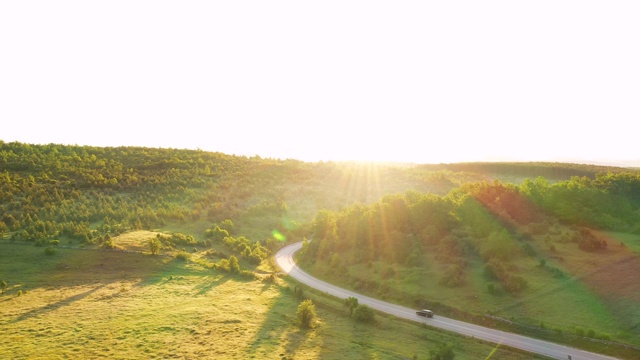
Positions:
{"x": 98, "y": 303}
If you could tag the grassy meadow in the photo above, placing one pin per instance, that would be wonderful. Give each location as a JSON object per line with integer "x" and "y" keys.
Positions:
{"x": 95, "y": 303}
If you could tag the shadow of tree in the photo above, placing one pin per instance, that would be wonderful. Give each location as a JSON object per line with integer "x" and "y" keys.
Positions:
{"x": 51, "y": 307}
{"x": 205, "y": 286}
{"x": 295, "y": 339}
{"x": 279, "y": 331}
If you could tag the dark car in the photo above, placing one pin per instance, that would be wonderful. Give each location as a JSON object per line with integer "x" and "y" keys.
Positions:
{"x": 425, "y": 312}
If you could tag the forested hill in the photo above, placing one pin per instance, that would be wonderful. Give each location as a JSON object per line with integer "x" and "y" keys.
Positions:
{"x": 552, "y": 171}
{"x": 84, "y": 192}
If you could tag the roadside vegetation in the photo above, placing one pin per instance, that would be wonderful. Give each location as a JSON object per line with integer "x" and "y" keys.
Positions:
{"x": 541, "y": 255}
{"x": 137, "y": 252}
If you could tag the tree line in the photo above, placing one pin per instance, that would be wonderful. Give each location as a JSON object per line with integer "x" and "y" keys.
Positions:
{"x": 487, "y": 220}
{"x": 82, "y": 193}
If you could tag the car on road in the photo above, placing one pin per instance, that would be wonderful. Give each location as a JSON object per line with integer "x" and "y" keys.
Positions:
{"x": 425, "y": 312}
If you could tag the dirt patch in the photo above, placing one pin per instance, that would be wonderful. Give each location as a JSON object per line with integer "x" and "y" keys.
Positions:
{"x": 617, "y": 281}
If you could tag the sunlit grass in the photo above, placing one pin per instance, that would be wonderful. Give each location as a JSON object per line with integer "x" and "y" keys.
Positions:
{"x": 135, "y": 240}
{"x": 96, "y": 303}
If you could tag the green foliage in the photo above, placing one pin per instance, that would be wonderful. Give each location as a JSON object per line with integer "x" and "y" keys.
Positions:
{"x": 234, "y": 265}
{"x": 155, "y": 245}
{"x": 3, "y": 285}
{"x": 306, "y": 314}
{"x": 363, "y": 313}
{"x": 108, "y": 243}
{"x": 255, "y": 252}
{"x": 351, "y": 302}
{"x": 228, "y": 226}
{"x": 183, "y": 256}
{"x": 443, "y": 352}
{"x": 495, "y": 269}
{"x": 179, "y": 239}
{"x": 49, "y": 250}
{"x": 453, "y": 277}
{"x": 587, "y": 241}
{"x": 216, "y": 233}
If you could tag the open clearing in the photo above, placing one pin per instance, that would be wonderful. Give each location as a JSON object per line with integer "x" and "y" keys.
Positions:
{"x": 97, "y": 303}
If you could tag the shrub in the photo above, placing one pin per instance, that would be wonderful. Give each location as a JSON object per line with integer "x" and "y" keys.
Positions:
{"x": 306, "y": 314}
{"x": 155, "y": 245}
{"x": 49, "y": 250}
{"x": 495, "y": 269}
{"x": 515, "y": 283}
{"x": 444, "y": 352}
{"x": 352, "y": 303}
{"x": 234, "y": 265}
{"x": 587, "y": 241}
{"x": 271, "y": 278}
{"x": 222, "y": 264}
{"x": 542, "y": 262}
{"x": 183, "y": 256}
{"x": 363, "y": 313}
{"x": 108, "y": 244}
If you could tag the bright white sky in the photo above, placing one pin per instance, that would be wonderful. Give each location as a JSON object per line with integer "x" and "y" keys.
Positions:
{"x": 415, "y": 81}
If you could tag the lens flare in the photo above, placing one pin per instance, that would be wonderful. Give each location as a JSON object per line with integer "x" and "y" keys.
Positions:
{"x": 278, "y": 236}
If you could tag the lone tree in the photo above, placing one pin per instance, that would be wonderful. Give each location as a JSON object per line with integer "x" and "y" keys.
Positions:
{"x": 352, "y": 303}
{"x": 3, "y": 285}
{"x": 363, "y": 313}
{"x": 155, "y": 245}
{"x": 306, "y": 313}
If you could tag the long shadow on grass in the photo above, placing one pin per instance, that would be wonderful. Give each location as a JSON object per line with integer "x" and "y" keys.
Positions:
{"x": 217, "y": 279}
{"x": 51, "y": 307}
{"x": 279, "y": 331}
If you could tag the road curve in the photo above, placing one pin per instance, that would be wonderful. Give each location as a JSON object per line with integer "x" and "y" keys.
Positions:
{"x": 284, "y": 259}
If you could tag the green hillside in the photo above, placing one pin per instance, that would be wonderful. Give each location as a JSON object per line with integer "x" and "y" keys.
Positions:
{"x": 556, "y": 258}
{"x": 134, "y": 252}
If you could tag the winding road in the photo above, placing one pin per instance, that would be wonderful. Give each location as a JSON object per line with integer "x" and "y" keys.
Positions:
{"x": 284, "y": 259}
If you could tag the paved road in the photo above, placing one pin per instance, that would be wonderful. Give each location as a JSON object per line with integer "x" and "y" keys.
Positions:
{"x": 284, "y": 259}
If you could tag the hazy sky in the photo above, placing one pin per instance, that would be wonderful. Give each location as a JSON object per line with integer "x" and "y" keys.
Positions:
{"x": 416, "y": 81}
